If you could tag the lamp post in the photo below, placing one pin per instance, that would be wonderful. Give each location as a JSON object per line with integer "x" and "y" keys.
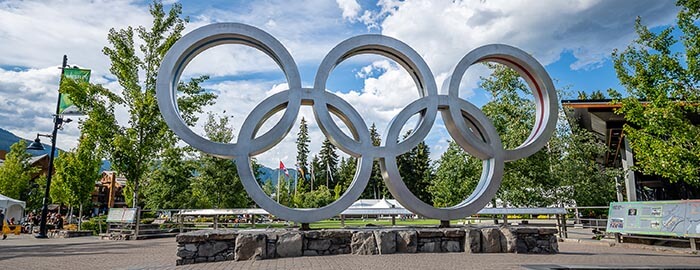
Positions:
{"x": 58, "y": 122}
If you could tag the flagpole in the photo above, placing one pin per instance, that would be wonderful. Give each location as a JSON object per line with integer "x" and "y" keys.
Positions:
{"x": 313, "y": 176}
{"x": 278, "y": 184}
{"x": 328, "y": 172}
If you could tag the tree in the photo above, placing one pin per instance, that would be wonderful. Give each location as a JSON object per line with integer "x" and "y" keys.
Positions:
{"x": 169, "y": 185}
{"x": 16, "y": 172}
{"x": 456, "y": 176}
{"x": 416, "y": 171}
{"x": 376, "y": 188}
{"x": 76, "y": 174}
{"x": 133, "y": 149}
{"x": 512, "y": 114}
{"x": 218, "y": 184}
{"x": 664, "y": 89}
{"x": 329, "y": 162}
{"x": 573, "y": 153}
{"x": 317, "y": 173}
{"x": 303, "y": 141}
{"x": 346, "y": 173}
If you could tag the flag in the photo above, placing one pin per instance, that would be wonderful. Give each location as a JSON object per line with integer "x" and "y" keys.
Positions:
{"x": 66, "y": 105}
{"x": 301, "y": 171}
{"x": 282, "y": 168}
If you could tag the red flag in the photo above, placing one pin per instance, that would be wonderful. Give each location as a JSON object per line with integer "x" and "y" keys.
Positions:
{"x": 284, "y": 169}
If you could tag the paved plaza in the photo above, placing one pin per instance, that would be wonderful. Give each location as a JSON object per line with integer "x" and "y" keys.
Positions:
{"x": 25, "y": 252}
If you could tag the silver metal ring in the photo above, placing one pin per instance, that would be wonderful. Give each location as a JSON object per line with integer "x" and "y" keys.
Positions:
{"x": 467, "y": 125}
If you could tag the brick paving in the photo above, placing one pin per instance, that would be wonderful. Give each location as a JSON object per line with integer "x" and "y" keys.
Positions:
{"x": 25, "y": 252}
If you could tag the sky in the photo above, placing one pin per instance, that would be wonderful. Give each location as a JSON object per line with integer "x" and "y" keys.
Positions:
{"x": 573, "y": 39}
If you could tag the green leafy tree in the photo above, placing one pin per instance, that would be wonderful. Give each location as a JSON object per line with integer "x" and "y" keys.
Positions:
{"x": 664, "y": 89}
{"x": 218, "y": 184}
{"x": 574, "y": 152}
{"x": 456, "y": 176}
{"x": 76, "y": 174}
{"x": 16, "y": 172}
{"x": 168, "y": 186}
{"x": 134, "y": 148}
{"x": 512, "y": 114}
{"x": 329, "y": 163}
{"x": 314, "y": 199}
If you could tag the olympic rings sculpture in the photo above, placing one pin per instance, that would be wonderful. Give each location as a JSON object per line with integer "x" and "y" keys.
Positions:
{"x": 467, "y": 125}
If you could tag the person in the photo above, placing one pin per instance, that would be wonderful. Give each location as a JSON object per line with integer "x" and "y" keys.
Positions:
{"x": 2, "y": 224}
{"x": 59, "y": 222}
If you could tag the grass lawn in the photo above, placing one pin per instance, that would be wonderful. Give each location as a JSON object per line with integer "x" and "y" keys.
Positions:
{"x": 335, "y": 223}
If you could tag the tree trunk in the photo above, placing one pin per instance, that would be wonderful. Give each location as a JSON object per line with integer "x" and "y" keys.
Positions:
{"x": 80, "y": 217}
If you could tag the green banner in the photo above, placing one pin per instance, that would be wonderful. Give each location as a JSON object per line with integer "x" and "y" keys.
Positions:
{"x": 66, "y": 105}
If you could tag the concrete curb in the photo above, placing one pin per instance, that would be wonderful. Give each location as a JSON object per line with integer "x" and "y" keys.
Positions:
{"x": 630, "y": 245}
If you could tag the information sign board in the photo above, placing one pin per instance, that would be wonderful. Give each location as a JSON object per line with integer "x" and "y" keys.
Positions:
{"x": 122, "y": 215}
{"x": 672, "y": 218}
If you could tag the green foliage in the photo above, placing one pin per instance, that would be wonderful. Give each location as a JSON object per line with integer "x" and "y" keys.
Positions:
{"x": 218, "y": 184}
{"x": 663, "y": 88}
{"x": 328, "y": 159}
{"x": 573, "y": 153}
{"x": 303, "y": 141}
{"x": 376, "y": 188}
{"x": 76, "y": 174}
{"x": 346, "y": 173}
{"x": 135, "y": 149}
{"x": 564, "y": 171}
{"x": 317, "y": 198}
{"x": 168, "y": 185}
{"x": 16, "y": 172}
{"x": 416, "y": 171}
{"x": 455, "y": 178}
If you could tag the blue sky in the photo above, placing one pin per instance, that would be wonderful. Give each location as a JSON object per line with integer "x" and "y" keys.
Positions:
{"x": 573, "y": 39}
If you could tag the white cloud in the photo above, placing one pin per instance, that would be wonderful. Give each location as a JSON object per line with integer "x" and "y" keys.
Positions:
{"x": 350, "y": 8}
{"x": 591, "y": 29}
{"x": 37, "y": 34}
{"x": 28, "y": 101}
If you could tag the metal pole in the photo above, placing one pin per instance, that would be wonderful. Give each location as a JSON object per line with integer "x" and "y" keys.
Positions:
{"x": 56, "y": 122}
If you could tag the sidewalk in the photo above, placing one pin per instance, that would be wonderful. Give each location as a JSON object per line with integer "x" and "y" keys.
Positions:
{"x": 25, "y": 252}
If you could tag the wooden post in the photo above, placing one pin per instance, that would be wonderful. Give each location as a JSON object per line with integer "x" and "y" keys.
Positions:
{"x": 393, "y": 220}
{"x": 305, "y": 227}
{"x": 444, "y": 224}
{"x": 252, "y": 220}
{"x": 566, "y": 230}
{"x": 342, "y": 221}
{"x": 693, "y": 244}
{"x": 618, "y": 238}
{"x": 216, "y": 222}
{"x": 559, "y": 225}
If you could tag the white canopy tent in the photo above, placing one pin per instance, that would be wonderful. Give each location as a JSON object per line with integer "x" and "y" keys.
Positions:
{"x": 12, "y": 208}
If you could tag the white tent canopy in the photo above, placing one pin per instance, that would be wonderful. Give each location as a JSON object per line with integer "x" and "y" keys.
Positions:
{"x": 12, "y": 208}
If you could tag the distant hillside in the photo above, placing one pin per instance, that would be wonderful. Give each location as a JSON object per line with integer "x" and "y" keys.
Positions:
{"x": 7, "y": 139}
{"x": 269, "y": 174}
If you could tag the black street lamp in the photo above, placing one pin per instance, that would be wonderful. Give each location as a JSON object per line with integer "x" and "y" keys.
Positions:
{"x": 58, "y": 122}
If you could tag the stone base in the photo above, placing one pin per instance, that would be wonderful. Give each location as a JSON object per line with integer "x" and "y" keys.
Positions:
{"x": 257, "y": 244}
{"x": 69, "y": 234}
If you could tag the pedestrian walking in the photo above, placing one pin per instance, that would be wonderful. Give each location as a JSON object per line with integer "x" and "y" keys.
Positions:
{"x": 2, "y": 225}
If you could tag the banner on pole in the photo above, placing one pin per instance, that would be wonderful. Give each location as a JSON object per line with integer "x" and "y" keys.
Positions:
{"x": 66, "y": 105}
